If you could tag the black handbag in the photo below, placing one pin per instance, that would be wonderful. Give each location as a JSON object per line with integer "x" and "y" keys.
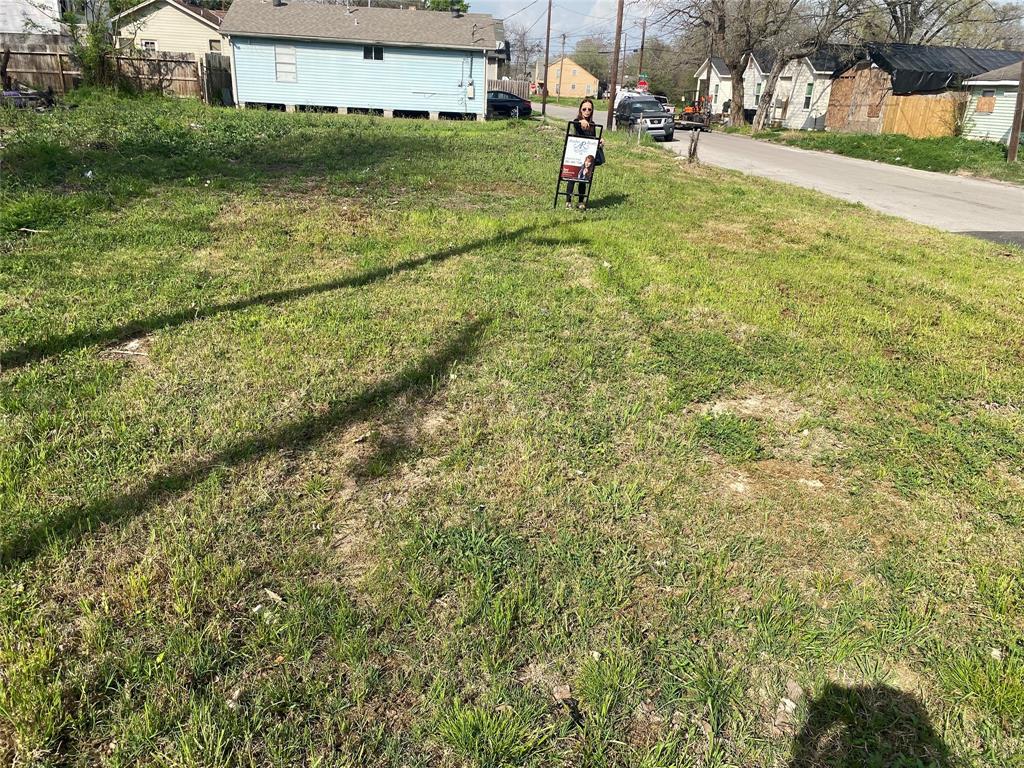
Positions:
{"x": 599, "y": 157}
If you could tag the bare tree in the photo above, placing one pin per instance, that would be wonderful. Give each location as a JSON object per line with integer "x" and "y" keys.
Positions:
{"x": 934, "y": 22}
{"x": 735, "y": 27}
{"x": 811, "y": 26}
{"x": 524, "y": 53}
{"x": 591, "y": 53}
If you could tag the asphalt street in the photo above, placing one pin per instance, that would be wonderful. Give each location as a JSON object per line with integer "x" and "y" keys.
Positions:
{"x": 987, "y": 209}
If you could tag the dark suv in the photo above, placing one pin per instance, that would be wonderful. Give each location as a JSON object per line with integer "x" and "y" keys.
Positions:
{"x": 644, "y": 112}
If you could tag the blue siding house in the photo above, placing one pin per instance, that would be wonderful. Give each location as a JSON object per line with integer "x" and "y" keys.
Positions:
{"x": 302, "y": 55}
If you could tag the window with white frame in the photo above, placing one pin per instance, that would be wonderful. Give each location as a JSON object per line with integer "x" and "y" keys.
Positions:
{"x": 373, "y": 52}
{"x": 215, "y": 46}
{"x": 284, "y": 63}
{"x": 574, "y": 73}
{"x": 572, "y": 86}
{"x": 757, "y": 91}
{"x": 715, "y": 99}
{"x": 807, "y": 95}
{"x": 147, "y": 45}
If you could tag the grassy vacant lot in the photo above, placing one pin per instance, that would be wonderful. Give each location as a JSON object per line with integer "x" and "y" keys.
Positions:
{"x": 600, "y": 105}
{"x": 950, "y": 154}
{"x": 325, "y": 441}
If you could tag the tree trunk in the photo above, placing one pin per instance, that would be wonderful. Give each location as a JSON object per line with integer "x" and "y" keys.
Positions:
{"x": 736, "y": 70}
{"x": 764, "y": 105}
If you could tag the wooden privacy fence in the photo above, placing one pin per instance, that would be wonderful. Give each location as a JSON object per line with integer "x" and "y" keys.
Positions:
{"x": 170, "y": 73}
{"x": 925, "y": 115}
{"x": 520, "y": 88}
{"x": 177, "y": 74}
{"x": 44, "y": 69}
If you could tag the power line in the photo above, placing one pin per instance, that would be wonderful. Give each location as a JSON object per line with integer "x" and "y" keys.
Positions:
{"x": 520, "y": 10}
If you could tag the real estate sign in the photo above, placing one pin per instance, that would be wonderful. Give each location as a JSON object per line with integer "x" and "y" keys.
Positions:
{"x": 578, "y": 158}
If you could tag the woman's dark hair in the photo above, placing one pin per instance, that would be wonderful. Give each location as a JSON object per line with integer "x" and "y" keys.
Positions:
{"x": 579, "y": 112}
{"x": 590, "y": 158}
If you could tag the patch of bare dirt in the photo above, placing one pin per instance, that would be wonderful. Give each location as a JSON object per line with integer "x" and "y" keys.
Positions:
{"x": 537, "y": 675}
{"x": 380, "y": 462}
{"x": 707, "y": 318}
{"x": 770, "y": 477}
{"x": 134, "y": 351}
{"x": 796, "y": 437}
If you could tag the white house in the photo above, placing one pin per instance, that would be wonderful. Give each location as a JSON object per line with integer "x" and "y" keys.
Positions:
{"x": 754, "y": 77}
{"x": 41, "y": 17}
{"x": 992, "y": 100}
{"x": 801, "y": 94}
{"x": 170, "y": 25}
{"x": 720, "y": 85}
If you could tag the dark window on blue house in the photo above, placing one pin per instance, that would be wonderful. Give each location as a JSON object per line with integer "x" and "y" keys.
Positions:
{"x": 374, "y": 52}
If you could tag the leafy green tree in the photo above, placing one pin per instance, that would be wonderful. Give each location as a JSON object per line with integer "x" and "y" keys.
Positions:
{"x": 592, "y": 54}
{"x": 444, "y": 5}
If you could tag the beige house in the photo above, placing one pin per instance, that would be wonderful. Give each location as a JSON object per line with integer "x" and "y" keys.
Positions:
{"x": 569, "y": 79}
{"x": 175, "y": 26}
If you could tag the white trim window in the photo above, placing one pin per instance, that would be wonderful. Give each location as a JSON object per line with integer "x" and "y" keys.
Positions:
{"x": 215, "y": 46}
{"x": 147, "y": 45}
{"x": 284, "y": 64}
{"x": 807, "y": 95}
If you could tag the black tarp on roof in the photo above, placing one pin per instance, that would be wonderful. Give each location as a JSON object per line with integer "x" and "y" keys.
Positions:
{"x": 835, "y": 57}
{"x": 927, "y": 68}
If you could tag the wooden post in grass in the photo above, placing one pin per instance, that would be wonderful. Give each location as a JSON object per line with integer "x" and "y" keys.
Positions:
{"x": 1018, "y": 118}
{"x": 60, "y": 71}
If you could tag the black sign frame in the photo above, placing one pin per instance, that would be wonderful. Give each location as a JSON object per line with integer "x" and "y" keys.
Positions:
{"x": 590, "y": 184}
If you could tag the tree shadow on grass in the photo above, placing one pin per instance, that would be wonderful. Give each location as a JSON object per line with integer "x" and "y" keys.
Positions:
{"x": 415, "y": 380}
{"x": 868, "y": 727}
{"x": 54, "y": 345}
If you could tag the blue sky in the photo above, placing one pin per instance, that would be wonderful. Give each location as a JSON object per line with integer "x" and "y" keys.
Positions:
{"x": 576, "y": 18}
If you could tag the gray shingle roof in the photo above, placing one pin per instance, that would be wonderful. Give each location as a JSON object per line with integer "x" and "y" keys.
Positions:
{"x": 1011, "y": 72}
{"x": 315, "y": 21}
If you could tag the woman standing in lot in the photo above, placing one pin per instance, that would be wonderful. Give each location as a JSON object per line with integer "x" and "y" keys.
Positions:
{"x": 584, "y": 125}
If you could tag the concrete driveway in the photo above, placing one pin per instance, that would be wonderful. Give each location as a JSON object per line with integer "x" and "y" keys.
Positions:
{"x": 987, "y": 209}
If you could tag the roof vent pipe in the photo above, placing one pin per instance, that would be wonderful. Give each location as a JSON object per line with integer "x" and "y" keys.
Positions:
{"x": 277, "y": 3}
{"x": 456, "y": 9}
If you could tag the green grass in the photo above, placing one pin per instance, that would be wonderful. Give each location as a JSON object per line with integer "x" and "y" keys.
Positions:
{"x": 950, "y": 154}
{"x": 326, "y": 441}
{"x": 600, "y": 105}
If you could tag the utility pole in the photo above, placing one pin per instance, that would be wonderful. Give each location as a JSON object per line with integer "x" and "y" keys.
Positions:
{"x": 547, "y": 51}
{"x": 643, "y": 40}
{"x": 561, "y": 66}
{"x": 1018, "y": 118}
{"x": 625, "y": 53}
{"x": 615, "y": 67}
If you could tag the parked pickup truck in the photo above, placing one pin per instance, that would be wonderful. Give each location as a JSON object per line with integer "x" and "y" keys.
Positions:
{"x": 644, "y": 113}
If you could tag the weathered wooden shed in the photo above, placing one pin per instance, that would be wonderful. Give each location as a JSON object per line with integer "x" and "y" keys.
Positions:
{"x": 914, "y": 90}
